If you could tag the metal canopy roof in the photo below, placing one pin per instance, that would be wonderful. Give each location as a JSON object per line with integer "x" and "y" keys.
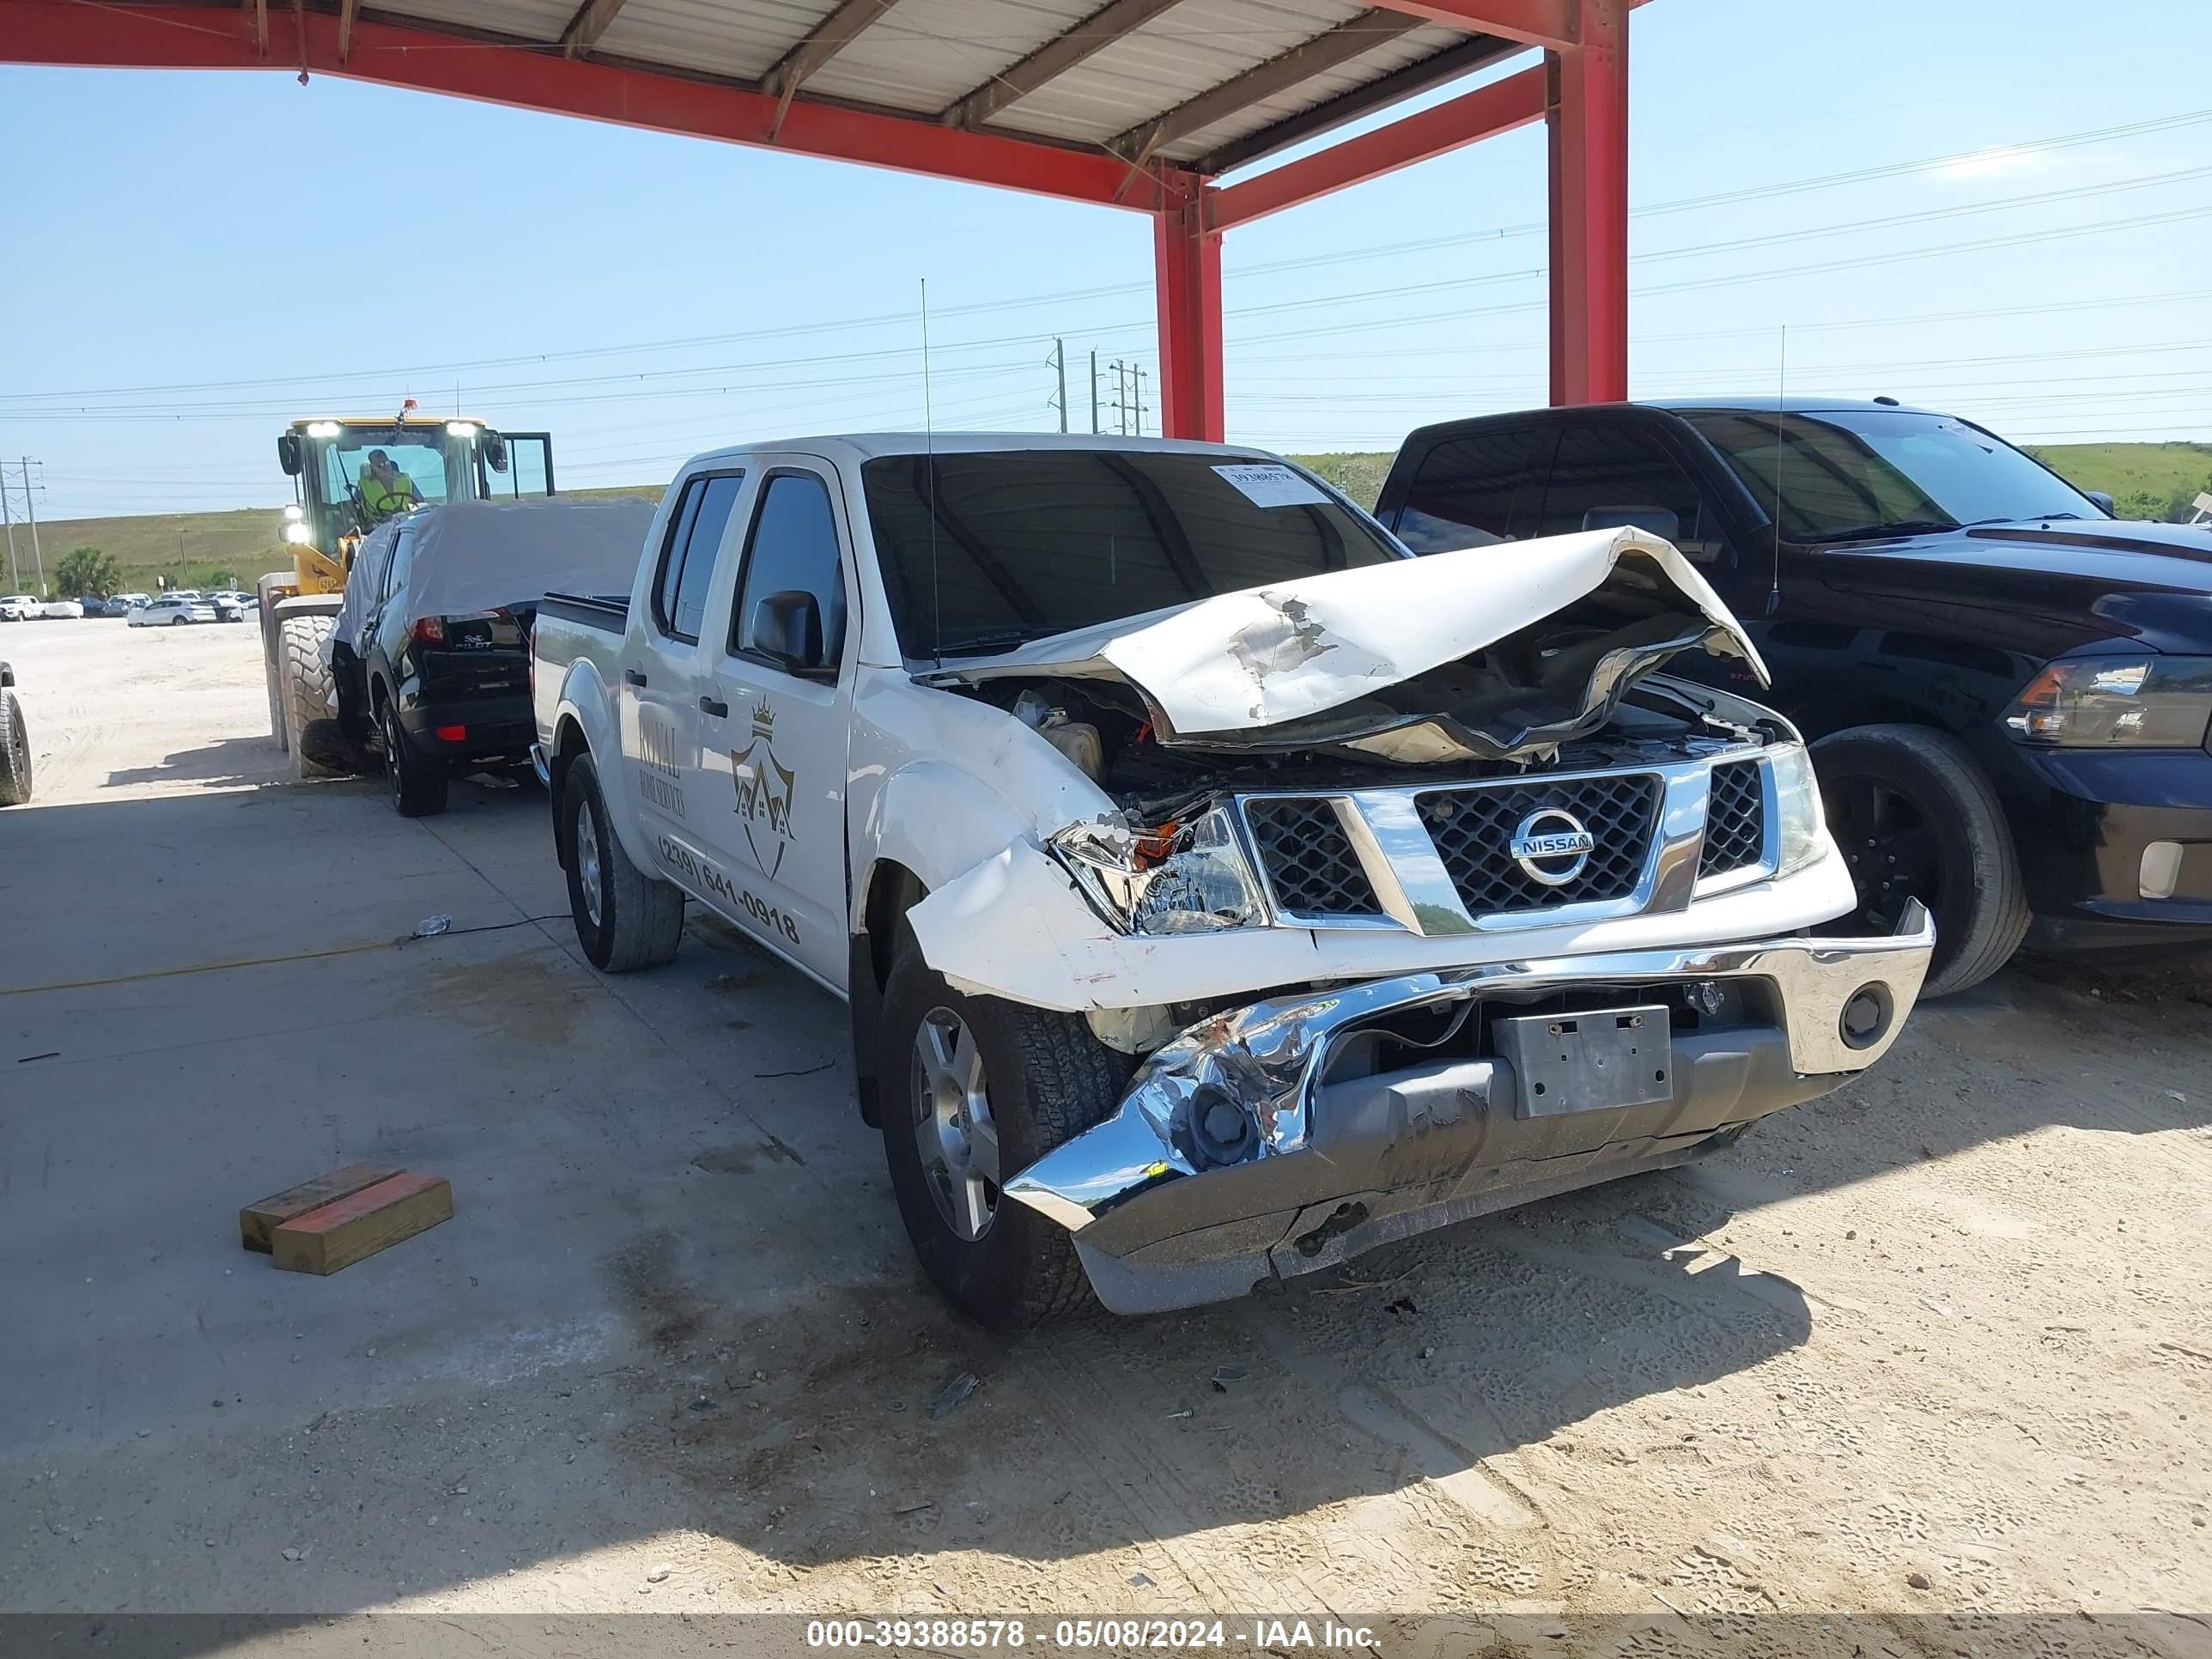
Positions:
{"x": 1133, "y": 104}
{"x": 1208, "y": 84}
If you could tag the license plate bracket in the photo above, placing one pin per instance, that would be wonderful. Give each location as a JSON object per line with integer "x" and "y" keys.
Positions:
{"x": 1598, "y": 1059}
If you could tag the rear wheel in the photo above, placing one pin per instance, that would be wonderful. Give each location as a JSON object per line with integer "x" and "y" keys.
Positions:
{"x": 625, "y": 919}
{"x": 975, "y": 1090}
{"x": 1916, "y": 818}
{"x": 14, "y": 752}
{"x": 418, "y": 784}
{"x": 306, "y": 676}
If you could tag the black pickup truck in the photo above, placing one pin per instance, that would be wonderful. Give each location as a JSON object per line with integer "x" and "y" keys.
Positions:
{"x": 2011, "y": 689}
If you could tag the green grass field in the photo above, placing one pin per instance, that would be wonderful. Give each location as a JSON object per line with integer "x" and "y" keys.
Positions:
{"x": 203, "y": 549}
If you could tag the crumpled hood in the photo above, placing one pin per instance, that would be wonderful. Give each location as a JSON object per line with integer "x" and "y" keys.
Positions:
{"x": 1267, "y": 657}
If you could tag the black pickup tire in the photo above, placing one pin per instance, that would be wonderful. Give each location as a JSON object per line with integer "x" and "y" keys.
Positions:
{"x": 974, "y": 1089}
{"x": 419, "y": 785}
{"x": 14, "y": 752}
{"x": 625, "y": 919}
{"x": 1915, "y": 817}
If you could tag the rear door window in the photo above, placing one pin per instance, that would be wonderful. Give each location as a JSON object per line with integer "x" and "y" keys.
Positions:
{"x": 1465, "y": 489}
{"x": 1604, "y": 475}
{"x": 687, "y": 555}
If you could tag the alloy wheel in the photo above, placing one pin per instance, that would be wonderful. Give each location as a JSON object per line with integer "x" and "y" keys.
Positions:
{"x": 953, "y": 1128}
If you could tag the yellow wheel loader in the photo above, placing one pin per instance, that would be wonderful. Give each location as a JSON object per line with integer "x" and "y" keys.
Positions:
{"x": 349, "y": 474}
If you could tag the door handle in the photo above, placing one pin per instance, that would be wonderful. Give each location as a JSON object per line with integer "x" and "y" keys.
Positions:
{"x": 719, "y": 710}
{"x": 634, "y": 676}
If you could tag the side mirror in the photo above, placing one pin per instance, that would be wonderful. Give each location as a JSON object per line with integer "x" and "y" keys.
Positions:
{"x": 787, "y": 630}
{"x": 1661, "y": 521}
{"x": 2103, "y": 498}
{"x": 288, "y": 453}
{"x": 494, "y": 450}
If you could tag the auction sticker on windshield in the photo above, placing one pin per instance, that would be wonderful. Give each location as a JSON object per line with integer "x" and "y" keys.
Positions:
{"x": 1265, "y": 484}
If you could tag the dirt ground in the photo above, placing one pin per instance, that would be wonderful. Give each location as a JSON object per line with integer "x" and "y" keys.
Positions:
{"x": 1939, "y": 1344}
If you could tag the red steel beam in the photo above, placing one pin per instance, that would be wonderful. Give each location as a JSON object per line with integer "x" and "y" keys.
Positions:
{"x": 1590, "y": 211}
{"x": 1187, "y": 266}
{"x": 1500, "y": 107}
{"x": 1548, "y": 23}
{"x": 54, "y": 31}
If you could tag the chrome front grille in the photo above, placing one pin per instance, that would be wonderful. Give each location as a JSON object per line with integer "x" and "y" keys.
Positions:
{"x": 1310, "y": 860}
{"x": 1735, "y": 819}
{"x": 1473, "y": 828}
{"x": 1439, "y": 861}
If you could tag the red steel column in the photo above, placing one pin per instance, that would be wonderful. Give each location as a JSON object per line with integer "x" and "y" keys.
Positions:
{"x": 1589, "y": 128}
{"x": 1187, "y": 267}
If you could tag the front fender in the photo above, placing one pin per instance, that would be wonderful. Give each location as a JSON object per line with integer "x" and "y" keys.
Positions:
{"x": 586, "y": 703}
{"x": 939, "y": 820}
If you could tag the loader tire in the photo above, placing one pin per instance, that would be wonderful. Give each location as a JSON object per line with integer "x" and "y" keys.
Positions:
{"x": 14, "y": 752}
{"x": 307, "y": 679}
{"x": 273, "y": 657}
{"x": 625, "y": 919}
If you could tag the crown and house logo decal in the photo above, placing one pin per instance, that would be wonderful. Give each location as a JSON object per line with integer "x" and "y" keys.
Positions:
{"x": 766, "y": 788}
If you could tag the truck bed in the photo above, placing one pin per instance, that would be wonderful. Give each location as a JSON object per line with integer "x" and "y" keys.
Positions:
{"x": 607, "y": 610}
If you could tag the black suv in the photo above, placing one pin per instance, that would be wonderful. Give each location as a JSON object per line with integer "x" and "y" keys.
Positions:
{"x": 2011, "y": 691}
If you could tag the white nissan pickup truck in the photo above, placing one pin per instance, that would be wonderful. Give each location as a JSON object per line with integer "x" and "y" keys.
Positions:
{"x": 1219, "y": 890}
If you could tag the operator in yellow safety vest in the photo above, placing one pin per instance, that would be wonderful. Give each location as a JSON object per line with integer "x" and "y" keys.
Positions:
{"x": 385, "y": 489}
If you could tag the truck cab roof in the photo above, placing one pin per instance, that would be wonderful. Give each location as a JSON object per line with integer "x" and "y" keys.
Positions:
{"x": 870, "y": 445}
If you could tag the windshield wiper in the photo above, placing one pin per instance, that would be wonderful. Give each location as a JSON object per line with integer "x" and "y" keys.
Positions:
{"x": 984, "y": 644}
{"x": 1899, "y": 527}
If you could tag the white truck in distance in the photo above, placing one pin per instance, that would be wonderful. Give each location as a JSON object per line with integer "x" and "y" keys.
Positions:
{"x": 1219, "y": 890}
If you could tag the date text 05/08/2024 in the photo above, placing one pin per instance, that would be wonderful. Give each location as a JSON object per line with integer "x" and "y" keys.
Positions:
{"x": 1087, "y": 1634}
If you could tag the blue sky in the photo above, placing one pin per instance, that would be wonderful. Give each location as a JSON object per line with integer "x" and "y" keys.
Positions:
{"x": 646, "y": 297}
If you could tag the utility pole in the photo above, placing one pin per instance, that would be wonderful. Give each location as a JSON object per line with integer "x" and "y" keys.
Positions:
{"x": 31, "y": 513}
{"x": 1094, "y": 392}
{"x": 1060, "y": 373}
{"x": 1140, "y": 399}
{"x": 15, "y": 577}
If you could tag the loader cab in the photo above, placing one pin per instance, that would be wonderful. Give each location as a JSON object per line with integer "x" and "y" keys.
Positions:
{"x": 350, "y": 475}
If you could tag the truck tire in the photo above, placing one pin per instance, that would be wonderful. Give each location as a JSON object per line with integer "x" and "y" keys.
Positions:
{"x": 949, "y": 1065}
{"x": 14, "y": 752}
{"x": 625, "y": 919}
{"x": 1916, "y": 817}
{"x": 418, "y": 785}
{"x": 307, "y": 681}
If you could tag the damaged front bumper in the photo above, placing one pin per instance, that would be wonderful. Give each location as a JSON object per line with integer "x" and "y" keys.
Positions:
{"x": 1271, "y": 1140}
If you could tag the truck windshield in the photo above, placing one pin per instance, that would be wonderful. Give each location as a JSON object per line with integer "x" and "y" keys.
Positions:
{"x": 1846, "y": 473}
{"x": 981, "y": 550}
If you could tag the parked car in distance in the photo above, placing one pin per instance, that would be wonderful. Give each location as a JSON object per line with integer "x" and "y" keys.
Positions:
{"x": 20, "y": 607}
{"x": 62, "y": 611}
{"x": 170, "y": 610}
{"x": 2010, "y": 691}
{"x": 232, "y": 607}
{"x": 127, "y": 600}
{"x": 15, "y": 744}
{"x": 1218, "y": 891}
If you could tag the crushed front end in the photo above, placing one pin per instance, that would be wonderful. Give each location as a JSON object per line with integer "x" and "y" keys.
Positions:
{"x": 1418, "y": 938}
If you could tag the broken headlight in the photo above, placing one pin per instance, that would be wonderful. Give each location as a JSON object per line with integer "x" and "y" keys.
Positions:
{"x": 1796, "y": 808}
{"x": 1188, "y": 877}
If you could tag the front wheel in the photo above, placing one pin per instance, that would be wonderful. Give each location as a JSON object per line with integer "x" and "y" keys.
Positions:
{"x": 974, "y": 1090}
{"x": 1916, "y": 818}
{"x": 625, "y": 919}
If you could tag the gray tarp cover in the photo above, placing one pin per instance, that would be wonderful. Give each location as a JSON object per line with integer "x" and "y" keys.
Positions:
{"x": 479, "y": 555}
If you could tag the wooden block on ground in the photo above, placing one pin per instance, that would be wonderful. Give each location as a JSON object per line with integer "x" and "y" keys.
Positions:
{"x": 257, "y": 1221}
{"x": 341, "y": 1233}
